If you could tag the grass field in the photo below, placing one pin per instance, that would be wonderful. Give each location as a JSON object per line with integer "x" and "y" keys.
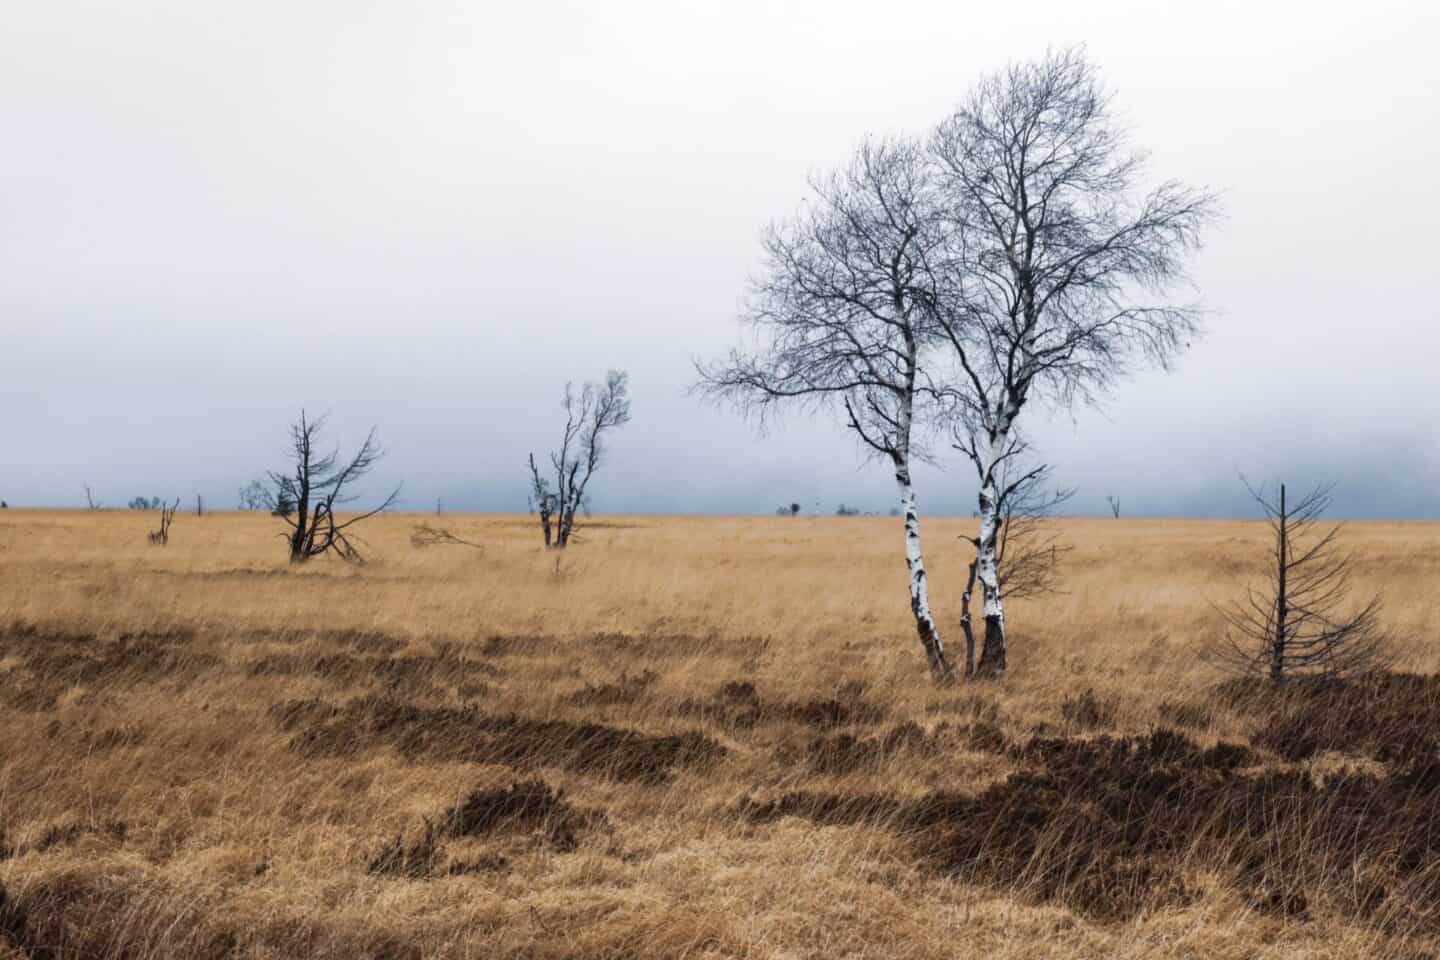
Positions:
{"x": 697, "y": 737}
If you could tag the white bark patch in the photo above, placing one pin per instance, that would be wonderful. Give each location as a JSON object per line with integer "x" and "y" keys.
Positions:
{"x": 915, "y": 566}
{"x": 987, "y": 569}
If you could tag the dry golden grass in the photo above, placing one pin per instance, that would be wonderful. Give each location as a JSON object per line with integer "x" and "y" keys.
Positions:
{"x": 209, "y": 753}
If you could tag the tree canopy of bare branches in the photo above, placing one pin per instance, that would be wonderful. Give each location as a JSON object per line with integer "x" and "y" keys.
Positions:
{"x": 590, "y": 416}
{"x": 1302, "y": 621}
{"x": 1059, "y": 279}
{"x": 841, "y": 315}
{"x": 307, "y": 497}
{"x": 254, "y": 496}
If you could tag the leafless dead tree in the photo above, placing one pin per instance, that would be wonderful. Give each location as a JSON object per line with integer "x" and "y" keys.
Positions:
{"x": 90, "y": 502}
{"x": 1302, "y": 621}
{"x": 308, "y": 496}
{"x": 1114, "y": 502}
{"x": 590, "y": 416}
{"x": 1060, "y": 275}
{"x": 1029, "y": 547}
{"x": 161, "y": 537}
{"x": 842, "y": 314}
{"x": 254, "y": 496}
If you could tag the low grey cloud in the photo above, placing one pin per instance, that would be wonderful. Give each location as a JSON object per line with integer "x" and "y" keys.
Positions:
{"x": 428, "y": 218}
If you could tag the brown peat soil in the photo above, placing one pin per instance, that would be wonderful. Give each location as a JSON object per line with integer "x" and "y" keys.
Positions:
{"x": 690, "y": 737}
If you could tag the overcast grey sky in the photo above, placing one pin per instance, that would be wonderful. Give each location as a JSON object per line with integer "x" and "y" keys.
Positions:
{"x": 428, "y": 216}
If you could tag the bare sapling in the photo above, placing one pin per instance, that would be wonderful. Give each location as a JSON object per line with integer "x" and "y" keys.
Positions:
{"x": 1303, "y": 620}
{"x": 590, "y": 417}
{"x": 161, "y": 537}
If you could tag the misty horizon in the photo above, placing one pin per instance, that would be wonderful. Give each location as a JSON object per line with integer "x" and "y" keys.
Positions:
{"x": 430, "y": 222}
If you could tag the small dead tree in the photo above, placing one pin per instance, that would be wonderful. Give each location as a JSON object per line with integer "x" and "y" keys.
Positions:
{"x": 1114, "y": 502}
{"x": 842, "y": 313}
{"x": 254, "y": 496}
{"x": 307, "y": 497}
{"x": 1029, "y": 548}
{"x": 199, "y": 505}
{"x": 161, "y": 537}
{"x": 90, "y": 502}
{"x": 1060, "y": 279}
{"x": 1302, "y": 621}
{"x": 590, "y": 416}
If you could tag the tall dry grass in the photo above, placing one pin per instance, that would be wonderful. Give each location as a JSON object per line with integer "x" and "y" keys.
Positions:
{"x": 682, "y": 737}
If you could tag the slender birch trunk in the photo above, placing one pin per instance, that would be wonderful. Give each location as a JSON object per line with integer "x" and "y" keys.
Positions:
{"x": 915, "y": 566}
{"x": 965, "y": 622}
{"x": 987, "y": 568}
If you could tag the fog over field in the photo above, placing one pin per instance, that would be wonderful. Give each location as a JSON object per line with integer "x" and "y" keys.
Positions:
{"x": 428, "y": 218}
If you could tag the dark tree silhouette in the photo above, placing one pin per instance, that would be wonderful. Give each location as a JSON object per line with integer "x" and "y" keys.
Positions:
{"x": 590, "y": 416}
{"x": 307, "y": 497}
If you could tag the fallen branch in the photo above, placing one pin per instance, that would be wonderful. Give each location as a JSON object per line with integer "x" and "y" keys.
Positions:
{"x": 425, "y": 535}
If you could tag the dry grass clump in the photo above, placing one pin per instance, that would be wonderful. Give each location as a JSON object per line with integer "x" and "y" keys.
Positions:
{"x": 701, "y": 738}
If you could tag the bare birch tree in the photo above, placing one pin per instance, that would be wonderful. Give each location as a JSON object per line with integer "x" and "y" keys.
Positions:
{"x": 1303, "y": 622}
{"x": 590, "y": 416}
{"x": 1060, "y": 277}
{"x": 308, "y": 495}
{"x": 841, "y": 314}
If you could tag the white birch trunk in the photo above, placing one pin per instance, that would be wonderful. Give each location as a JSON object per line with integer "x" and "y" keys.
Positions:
{"x": 987, "y": 567}
{"x": 915, "y": 567}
